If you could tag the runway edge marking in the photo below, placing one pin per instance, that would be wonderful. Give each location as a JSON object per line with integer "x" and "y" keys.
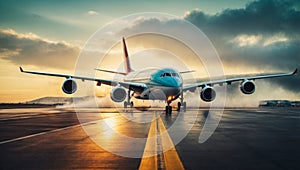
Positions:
{"x": 46, "y": 132}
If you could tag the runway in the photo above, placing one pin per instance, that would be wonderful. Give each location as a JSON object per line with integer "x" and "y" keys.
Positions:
{"x": 51, "y": 138}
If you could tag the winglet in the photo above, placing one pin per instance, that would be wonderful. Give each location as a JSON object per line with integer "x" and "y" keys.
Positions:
{"x": 295, "y": 72}
{"x": 21, "y": 69}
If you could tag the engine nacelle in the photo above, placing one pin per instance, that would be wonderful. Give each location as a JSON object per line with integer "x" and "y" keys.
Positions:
{"x": 208, "y": 94}
{"x": 247, "y": 87}
{"x": 69, "y": 86}
{"x": 118, "y": 94}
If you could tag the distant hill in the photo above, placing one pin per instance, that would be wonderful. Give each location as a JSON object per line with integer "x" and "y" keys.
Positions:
{"x": 55, "y": 100}
{"x": 85, "y": 101}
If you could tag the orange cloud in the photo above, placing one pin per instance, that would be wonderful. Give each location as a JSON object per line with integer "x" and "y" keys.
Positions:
{"x": 31, "y": 49}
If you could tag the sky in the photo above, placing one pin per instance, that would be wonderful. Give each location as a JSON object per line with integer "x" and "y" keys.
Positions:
{"x": 250, "y": 37}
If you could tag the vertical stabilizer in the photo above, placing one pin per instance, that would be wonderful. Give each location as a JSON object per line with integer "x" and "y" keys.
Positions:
{"x": 126, "y": 58}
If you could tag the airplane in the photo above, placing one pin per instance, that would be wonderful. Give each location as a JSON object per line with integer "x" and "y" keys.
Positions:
{"x": 167, "y": 81}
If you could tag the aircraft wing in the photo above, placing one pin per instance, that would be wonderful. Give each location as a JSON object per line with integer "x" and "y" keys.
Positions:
{"x": 109, "y": 71}
{"x": 230, "y": 80}
{"x": 130, "y": 85}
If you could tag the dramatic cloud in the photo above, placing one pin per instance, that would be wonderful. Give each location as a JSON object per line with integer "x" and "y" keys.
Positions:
{"x": 258, "y": 17}
{"x": 265, "y": 35}
{"x": 30, "y": 49}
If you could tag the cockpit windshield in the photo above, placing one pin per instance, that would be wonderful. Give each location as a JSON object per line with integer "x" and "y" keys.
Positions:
{"x": 175, "y": 75}
{"x": 169, "y": 75}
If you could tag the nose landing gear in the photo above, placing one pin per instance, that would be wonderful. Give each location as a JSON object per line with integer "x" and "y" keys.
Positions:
{"x": 168, "y": 109}
{"x": 181, "y": 106}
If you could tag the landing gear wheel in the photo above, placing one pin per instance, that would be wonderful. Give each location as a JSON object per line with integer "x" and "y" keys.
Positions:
{"x": 131, "y": 104}
{"x": 178, "y": 106}
{"x": 128, "y": 102}
{"x": 168, "y": 110}
{"x": 184, "y": 106}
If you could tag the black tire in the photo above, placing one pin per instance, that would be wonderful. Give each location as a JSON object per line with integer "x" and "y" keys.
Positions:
{"x": 131, "y": 104}
{"x": 178, "y": 106}
{"x": 184, "y": 106}
{"x": 168, "y": 110}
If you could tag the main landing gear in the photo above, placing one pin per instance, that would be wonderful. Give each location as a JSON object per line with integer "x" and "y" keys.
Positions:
{"x": 128, "y": 102}
{"x": 181, "y": 106}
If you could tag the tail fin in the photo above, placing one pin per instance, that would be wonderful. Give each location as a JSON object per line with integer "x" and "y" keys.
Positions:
{"x": 128, "y": 68}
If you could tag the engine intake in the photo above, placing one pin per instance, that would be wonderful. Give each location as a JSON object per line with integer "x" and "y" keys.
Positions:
{"x": 247, "y": 87}
{"x": 118, "y": 94}
{"x": 69, "y": 86}
{"x": 208, "y": 94}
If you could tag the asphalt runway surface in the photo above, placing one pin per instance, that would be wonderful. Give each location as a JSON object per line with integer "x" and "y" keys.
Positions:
{"x": 50, "y": 138}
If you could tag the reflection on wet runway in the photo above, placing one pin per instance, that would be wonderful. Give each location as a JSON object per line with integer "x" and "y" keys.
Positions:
{"x": 53, "y": 138}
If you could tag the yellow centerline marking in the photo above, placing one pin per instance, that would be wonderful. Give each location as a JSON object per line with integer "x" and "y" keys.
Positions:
{"x": 171, "y": 158}
{"x": 149, "y": 160}
{"x": 170, "y": 155}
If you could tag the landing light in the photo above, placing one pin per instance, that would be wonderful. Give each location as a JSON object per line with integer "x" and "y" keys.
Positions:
{"x": 170, "y": 98}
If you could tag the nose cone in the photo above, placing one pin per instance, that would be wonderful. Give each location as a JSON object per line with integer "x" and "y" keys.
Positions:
{"x": 174, "y": 82}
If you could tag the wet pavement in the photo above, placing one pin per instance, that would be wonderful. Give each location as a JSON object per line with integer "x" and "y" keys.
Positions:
{"x": 50, "y": 138}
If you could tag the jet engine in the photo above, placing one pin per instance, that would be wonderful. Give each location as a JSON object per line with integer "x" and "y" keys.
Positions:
{"x": 118, "y": 94}
{"x": 208, "y": 94}
{"x": 247, "y": 87}
{"x": 69, "y": 86}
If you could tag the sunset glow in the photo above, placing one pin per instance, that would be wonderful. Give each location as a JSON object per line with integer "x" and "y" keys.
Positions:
{"x": 49, "y": 37}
